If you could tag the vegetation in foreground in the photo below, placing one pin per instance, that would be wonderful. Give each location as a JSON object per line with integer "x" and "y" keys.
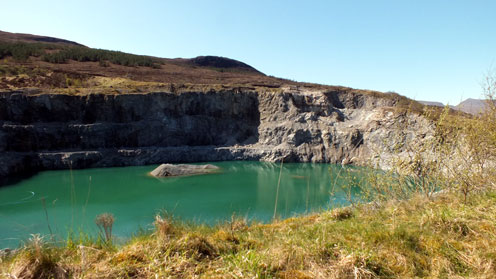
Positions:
{"x": 440, "y": 238}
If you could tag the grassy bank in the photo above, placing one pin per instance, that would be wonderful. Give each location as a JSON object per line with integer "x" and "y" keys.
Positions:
{"x": 443, "y": 237}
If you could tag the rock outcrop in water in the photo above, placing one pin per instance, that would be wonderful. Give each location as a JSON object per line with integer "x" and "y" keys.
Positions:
{"x": 56, "y": 131}
{"x": 165, "y": 170}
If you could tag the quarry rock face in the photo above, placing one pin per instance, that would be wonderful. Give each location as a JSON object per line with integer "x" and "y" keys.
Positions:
{"x": 56, "y": 131}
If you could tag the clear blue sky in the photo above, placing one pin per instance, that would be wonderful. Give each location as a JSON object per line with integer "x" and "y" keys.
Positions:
{"x": 426, "y": 50}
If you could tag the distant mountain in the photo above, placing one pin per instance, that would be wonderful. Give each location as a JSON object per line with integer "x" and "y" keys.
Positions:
{"x": 221, "y": 63}
{"x": 428, "y": 103}
{"x": 472, "y": 106}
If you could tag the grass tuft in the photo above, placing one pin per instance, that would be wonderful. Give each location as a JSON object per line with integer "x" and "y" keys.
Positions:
{"x": 340, "y": 214}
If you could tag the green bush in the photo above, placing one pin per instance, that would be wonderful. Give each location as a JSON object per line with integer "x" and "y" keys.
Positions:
{"x": 84, "y": 54}
{"x": 21, "y": 51}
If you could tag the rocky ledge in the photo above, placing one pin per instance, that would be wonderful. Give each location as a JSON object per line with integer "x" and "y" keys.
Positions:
{"x": 55, "y": 131}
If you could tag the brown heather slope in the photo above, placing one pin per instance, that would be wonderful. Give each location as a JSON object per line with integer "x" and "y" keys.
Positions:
{"x": 18, "y": 37}
{"x": 202, "y": 70}
{"x": 203, "y": 73}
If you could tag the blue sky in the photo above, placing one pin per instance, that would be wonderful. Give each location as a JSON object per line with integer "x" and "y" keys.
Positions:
{"x": 426, "y": 50}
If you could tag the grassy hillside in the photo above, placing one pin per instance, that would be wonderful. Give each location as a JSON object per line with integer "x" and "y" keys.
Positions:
{"x": 44, "y": 60}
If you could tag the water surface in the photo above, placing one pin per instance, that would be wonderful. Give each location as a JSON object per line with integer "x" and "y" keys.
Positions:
{"x": 64, "y": 200}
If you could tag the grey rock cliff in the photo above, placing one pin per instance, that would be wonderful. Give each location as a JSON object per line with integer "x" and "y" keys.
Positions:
{"x": 54, "y": 131}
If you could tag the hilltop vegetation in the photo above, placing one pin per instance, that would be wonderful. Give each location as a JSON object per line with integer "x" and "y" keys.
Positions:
{"x": 29, "y": 61}
{"x": 84, "y": 54}
{"x": 22, "y": 51}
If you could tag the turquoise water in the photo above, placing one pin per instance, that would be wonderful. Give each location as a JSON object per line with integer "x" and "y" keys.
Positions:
{"x": 65, "y": 200}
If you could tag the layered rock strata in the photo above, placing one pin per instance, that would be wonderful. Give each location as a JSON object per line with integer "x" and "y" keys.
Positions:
{"x": 55, "y": 131}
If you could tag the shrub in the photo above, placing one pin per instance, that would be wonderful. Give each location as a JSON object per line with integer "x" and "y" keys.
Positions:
{"x": 21, "y": 51}
{"x": 458, "y": 155}
{"x": 84, "y": 54}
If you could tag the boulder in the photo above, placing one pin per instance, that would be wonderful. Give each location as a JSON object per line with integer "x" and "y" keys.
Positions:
{"x": 165, "y": 170}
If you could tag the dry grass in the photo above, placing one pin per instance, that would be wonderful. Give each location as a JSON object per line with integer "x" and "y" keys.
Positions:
{"x": 418, "y": 238}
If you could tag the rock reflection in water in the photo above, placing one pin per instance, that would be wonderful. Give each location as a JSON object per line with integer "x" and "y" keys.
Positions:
{"x": 72, "y": 199}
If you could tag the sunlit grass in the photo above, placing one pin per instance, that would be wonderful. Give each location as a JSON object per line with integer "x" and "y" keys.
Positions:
{"x": 442, "y": 237}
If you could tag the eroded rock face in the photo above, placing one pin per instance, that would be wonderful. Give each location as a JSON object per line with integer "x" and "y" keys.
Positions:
{"x": 165, "y": 170}
{"x": 60, "y": 131}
